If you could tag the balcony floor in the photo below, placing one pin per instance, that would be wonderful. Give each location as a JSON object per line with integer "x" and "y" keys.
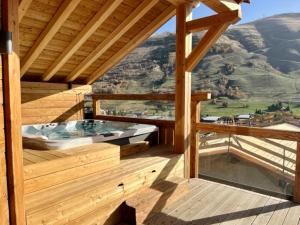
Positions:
{"x": 212, "y": 203}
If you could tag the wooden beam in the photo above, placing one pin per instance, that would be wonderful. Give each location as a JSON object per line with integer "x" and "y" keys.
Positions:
{"x": 198, "y": 96}
{"x": 201, "y": 96}
{"x": 23, "y": 7}
{"x": 12, "y": 115}
{"x": 64, "y": 11}
{"x": 220, "y": 6}
{"x": 162, "y": 97}
{"x": 137, "y": 40}
{"x": 250, "y": 131}
{"x": 134, "y": 17}
{"x": 204, "y": 45}
{"x": 207, "y": 22}
{"x": 297, "y": 176}
{"x": 194, "y": 160}
{"x": 183, "y": 86}
{"x": 164, "y": 123}
{"x": 179, "y": 2}
{"x": 87, "y": 31}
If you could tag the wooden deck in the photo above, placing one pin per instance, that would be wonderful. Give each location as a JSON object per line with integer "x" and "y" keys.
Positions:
{"x": 213, "y": 203}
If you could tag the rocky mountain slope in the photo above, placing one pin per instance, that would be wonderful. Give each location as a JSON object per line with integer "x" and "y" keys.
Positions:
{"x": 255, "y": 60}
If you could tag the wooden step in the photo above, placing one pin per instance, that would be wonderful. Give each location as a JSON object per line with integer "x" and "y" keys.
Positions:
{"x": 154, "y": 199}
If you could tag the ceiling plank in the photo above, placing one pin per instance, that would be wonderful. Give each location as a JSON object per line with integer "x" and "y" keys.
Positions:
{"x": 134, "y": 17}
{"x": 136, "y": 41}
{"x": 222, "y": 5}
{"x": 64, "y": 11}
{"x": 204, "y": 45}
{"x": 206, "y": 22}
{"x": 23, "y": 7}
{"x": 87, "y": 31}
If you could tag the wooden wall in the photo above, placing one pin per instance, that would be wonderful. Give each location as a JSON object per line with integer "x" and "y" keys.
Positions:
{"x": 4, "y": 214}
{"x": 52, "y": 102}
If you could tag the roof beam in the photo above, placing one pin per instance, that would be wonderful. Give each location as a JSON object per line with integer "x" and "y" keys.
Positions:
{"x": 206, "y": 22}
{"x": 87, "y": 31}
{"x": 179, "y": 2}
{"x": 142, "y": 35}
{"x": 23, "y": 7}
{"x": 134, "y": 17}
{"x": 64, "y": 11}
{"x": 204, "y": 45}
{"x": 222, "y": 5}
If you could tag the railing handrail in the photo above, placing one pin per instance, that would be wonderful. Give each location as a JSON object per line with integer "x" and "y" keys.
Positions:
{"x": 158, "y": 122}
{"x": 197, "y": 96}
{"x": 249, "y": 131}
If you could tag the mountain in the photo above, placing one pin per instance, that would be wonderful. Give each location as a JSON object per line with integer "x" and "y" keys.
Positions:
{"x": 257, "y": 60}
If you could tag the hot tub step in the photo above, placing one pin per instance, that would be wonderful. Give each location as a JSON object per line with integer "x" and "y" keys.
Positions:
{"x": 154, "y": 199}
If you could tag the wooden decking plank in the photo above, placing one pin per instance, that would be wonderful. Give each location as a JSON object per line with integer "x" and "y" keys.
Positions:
{"x": 196, "y": 189}
{"x": 215, "y": 213}
{"x": 253, "y": 212}
{"x": 33, "y": 158}
{"x": 200, "y": 202}
{"x": 293, "y": 215}
{"x": 280, "y": 213}
{"x": 243, "y": 208}
{"x": 267, "y": 212}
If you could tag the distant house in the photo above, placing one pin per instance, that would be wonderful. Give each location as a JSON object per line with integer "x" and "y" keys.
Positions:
{"x": 244, "y": 119}
{"x": 210, "y": 119}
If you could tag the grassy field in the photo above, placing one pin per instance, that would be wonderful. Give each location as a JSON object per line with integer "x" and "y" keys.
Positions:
{"x": 235, "y": 107}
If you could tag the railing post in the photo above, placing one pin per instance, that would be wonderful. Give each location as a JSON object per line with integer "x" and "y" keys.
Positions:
{"x": 297, "y": 175}
{"x": 194, "y": 156}
{"x": 96, "y": 107}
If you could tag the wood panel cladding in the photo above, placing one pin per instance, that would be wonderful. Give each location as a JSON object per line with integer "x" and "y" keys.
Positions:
{"x": 52, "y": 102}
{"x": 4, "y": 213}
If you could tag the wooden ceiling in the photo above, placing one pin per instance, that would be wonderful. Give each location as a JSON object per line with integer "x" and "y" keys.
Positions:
{"x": 78, "y": 41}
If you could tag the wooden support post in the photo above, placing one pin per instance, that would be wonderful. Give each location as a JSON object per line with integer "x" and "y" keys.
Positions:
{"x": 194, "y": 160}
{"x": 12, "y": 114}
{"x": 96, "y": 107}
{"x": 297, "y": 176}
{"x": 183, "y": 85}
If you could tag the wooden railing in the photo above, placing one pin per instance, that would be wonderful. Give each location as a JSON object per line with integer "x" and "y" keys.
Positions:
{"x": 261, "y": 133}
{"x": 166, "y": 127}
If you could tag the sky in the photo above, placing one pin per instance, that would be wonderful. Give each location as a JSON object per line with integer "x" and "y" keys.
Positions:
{"x": 256, "y": 10}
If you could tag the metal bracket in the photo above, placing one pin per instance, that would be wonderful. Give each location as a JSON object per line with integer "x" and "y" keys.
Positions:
{"x": 5, "y": 42}
{"x": 70, "y": 85}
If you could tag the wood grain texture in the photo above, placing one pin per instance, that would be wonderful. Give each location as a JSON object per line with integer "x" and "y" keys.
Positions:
{"x": 4, "y": 209}
{"x": 183, "y": 85}
{"x": 136, "y": 15}
{"x": 206, "y": 22}
{"x": 93, "y": 197}
{"x": 56, "y": 22}
{"x": 12, "y": 109}
{"x": 51, "y": 102}
{"x": 88, "y": 30}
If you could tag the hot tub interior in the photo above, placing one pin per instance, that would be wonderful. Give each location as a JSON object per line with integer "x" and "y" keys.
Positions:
{"x": 76, "y": 133}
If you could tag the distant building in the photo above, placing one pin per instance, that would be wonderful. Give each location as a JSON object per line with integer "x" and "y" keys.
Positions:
{"x": 210, "y": 119}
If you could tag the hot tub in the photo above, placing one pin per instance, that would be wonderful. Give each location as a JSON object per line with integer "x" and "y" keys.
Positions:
{"x": 77, "y": 133}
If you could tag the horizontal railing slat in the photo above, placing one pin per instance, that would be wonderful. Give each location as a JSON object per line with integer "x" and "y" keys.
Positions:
{"x": 249, "y": 131}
